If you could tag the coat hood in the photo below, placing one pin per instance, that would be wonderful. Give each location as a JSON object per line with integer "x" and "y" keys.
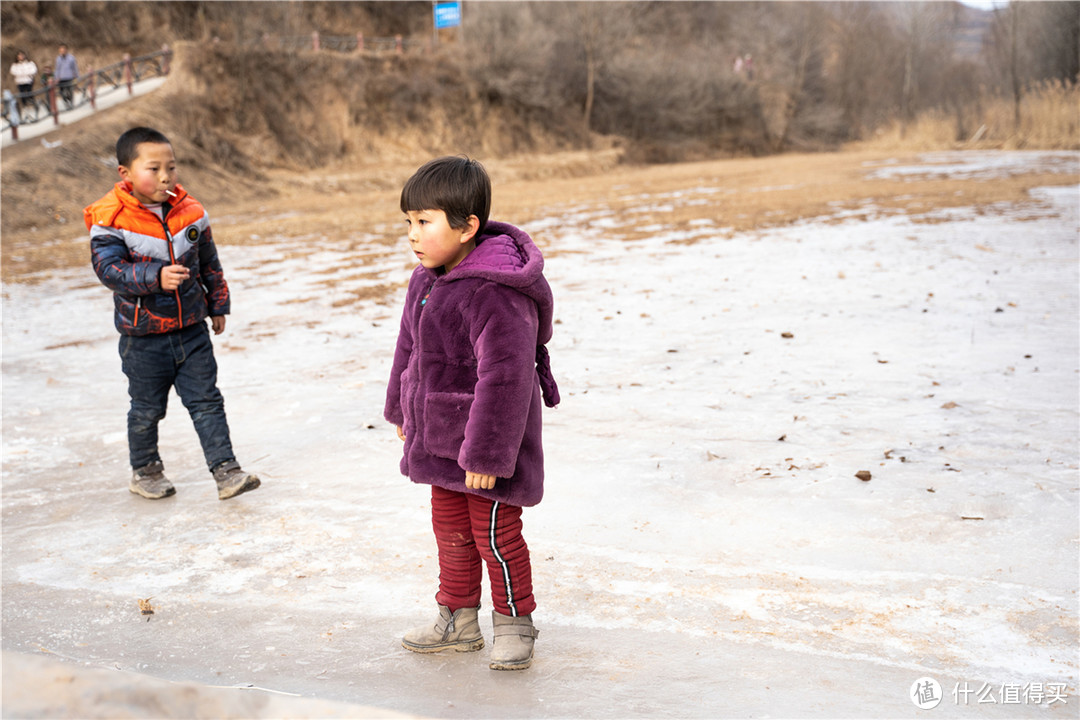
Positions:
{"x": 507, "y": 255}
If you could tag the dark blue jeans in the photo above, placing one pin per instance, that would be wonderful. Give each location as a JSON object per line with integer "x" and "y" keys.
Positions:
{"x": 154, "y": 364}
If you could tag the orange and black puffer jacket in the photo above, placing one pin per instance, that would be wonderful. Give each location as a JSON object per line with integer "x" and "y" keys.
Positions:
{"x": 129, "y": 245}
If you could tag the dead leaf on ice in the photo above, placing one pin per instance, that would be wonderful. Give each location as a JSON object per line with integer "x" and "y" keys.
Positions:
{"x": 863, "y": 475}
{"x": 949, "y": 405}
{"x": 145, "y": 607}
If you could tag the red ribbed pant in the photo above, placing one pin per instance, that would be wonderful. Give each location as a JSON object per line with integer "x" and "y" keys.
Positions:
{"x": 470, "y": 529}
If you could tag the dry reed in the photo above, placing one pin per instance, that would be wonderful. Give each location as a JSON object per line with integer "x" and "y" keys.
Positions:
{"x": 1049, "y": 120}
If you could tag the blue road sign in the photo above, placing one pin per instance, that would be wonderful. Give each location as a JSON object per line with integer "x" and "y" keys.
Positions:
{"x": 447, "y": 14}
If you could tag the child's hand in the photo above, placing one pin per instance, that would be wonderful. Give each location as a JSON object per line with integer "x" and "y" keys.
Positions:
{"x": 217, "y": 322}
{"x": 476, "y": 481}
{"x": 172, "y": 276}
{"x": 400, "y": 433}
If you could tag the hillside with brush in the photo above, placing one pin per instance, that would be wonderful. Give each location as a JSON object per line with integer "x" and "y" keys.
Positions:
{"x": 234, "y": 115}
{"x": 248, "y": 99}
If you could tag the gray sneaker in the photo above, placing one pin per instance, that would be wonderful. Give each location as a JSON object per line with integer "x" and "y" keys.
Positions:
{"x": 150, "y": 482}
{"x": 232, "y": 481}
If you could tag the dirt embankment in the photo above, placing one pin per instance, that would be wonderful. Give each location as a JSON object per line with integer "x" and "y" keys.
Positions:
{"x": 242, "y": 118}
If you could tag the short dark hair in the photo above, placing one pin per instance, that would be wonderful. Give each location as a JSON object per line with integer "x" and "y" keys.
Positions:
{"x": 127, "y": 147}
{"x": 459, "y": 186}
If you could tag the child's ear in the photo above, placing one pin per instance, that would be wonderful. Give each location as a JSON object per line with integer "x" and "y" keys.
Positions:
{"x": 471, "y": 228}
{"x": 123, "y": 172}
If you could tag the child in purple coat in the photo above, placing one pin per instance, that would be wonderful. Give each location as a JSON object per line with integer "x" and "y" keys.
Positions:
{"x": 470, "y": 372}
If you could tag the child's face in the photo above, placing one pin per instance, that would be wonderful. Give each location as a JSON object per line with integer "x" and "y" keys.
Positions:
{"x": 435, "y": 243}
{"x": 152, "y": 173}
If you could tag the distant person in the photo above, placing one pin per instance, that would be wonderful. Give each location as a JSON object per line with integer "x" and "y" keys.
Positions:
{"x": 66, "y": 72}
{"x": 151, "y": 244}
{"x": 24, "y": 70}
{"x": 10, "y": 105}
{"x": 465, "y": 390}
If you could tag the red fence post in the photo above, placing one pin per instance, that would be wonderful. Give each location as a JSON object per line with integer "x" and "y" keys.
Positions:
{"x": 315, "y": 40}
{"x": 165, "y": 59}
{"x": 92, "y": 89}
{"x": 399, "y": 44}
{"x": 53, "y": 109}
{"x": 127, "y": 72}
{"x": 359, "y": 42}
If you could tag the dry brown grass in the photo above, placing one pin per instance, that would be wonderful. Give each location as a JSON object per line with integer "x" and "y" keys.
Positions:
{"x": 1049, "y": 120}
{"x": 766, "y": 192}
{"x": 740, "y": 195}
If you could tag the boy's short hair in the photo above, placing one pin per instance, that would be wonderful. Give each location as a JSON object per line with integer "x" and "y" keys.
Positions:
{"x": 459, "y": 186}
{"x": 127, "y": 147}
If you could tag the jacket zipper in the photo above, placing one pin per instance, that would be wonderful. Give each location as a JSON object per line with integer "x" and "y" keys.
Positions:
{"x": 172, "y": 260}
{"x": 423, "y": 300}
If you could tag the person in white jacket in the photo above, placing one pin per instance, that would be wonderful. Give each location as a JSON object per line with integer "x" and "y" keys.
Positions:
{"x": 23, "y": 70}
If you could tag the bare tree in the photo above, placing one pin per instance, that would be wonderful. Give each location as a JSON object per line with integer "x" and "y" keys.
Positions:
{"x": 929, "y": 33}
{"x": 1054, "y": 36}
{"x": 593, "y": 35}
{"x": 1008, "y": 55}
{"x": 866, "y": 49}
{"x": 516, "y": 61}
{"x": 790, "y": 40}
{"x": 1031, "y": 41}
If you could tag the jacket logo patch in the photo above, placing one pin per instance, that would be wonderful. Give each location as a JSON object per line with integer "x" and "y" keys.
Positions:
{"x": 192, "y": 234}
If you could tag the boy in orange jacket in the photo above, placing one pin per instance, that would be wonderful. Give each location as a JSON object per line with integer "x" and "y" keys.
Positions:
{"x": 151, "y": 245}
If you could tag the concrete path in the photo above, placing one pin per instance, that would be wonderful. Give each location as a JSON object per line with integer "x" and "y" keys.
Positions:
{"x": 106, "y": 99}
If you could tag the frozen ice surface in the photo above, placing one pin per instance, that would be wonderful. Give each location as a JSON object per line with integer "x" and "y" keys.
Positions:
{"x": 704, "y": 548}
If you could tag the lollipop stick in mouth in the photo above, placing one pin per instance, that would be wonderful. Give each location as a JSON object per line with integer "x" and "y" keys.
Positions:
{"x": 170, "y": 193}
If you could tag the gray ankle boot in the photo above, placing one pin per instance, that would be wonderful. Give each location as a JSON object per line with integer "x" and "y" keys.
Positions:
{"x": 512, "y": 647}
{"x": 459, "y": 631}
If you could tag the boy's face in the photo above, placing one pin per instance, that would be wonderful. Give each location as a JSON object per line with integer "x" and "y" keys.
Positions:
{"x": 435, "y": 243}
{"x": 152, "y": 172}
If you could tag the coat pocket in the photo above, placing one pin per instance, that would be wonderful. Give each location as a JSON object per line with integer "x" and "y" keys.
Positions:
{"x": 445, "y": 416}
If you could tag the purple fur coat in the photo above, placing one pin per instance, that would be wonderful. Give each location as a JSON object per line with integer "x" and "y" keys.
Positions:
{"x": 469, "y": 368}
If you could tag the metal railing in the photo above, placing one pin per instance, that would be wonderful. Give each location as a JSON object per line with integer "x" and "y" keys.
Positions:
{"x": 57, "y": 97}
